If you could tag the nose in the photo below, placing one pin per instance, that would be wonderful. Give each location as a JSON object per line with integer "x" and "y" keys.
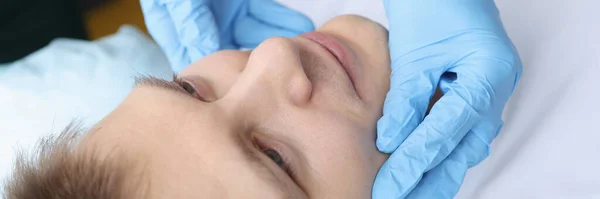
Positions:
{"x": 275, "y": 70}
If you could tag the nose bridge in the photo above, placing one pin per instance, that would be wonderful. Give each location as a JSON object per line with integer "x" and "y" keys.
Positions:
{"x": 274, "y": 70}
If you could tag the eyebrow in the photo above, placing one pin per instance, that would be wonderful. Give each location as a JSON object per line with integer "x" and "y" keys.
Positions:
{"x": 156, "y": 82}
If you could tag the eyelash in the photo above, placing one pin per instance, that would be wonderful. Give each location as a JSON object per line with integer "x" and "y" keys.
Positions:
{"x": 188, "y": 87}
{"x": 288, "y": 168}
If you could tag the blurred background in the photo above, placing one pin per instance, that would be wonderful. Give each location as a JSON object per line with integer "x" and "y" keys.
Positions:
{"x": 28, "y": 25}
{"x": 66, "y": 60}
{"x": 106, "y": 16}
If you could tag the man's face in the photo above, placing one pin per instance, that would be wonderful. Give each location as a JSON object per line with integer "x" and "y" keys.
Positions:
{"x": 294, "y": 118}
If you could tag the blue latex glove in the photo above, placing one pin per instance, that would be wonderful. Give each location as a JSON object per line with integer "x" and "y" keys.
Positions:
{"x": 187, "y": 30}
{"x": 462, "y": 47}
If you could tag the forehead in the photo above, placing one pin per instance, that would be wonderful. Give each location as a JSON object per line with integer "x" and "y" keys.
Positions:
{"x": 189, "y": 154}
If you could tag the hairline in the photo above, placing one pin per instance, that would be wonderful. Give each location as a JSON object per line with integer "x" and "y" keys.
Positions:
{"x": 54, "y": 155}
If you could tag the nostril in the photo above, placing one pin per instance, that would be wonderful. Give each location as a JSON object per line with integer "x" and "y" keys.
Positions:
{"x": 299, "y": 90}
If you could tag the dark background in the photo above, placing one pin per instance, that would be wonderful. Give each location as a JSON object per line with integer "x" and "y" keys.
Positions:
{"x": 28, "y": 25}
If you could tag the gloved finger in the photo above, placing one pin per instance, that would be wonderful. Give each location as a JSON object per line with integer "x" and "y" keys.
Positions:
{"x": 160, "y": 26}
{"x": 266, "y": 19}
{"x": 196, "y": 28}
{"x": 411, "y": 88}
{"x": 432, "y": 141}
{"x": 402, "y": 176}
{"x": 444, "y": 180}
{"x": 279, "y": 15}
{"x": 393, "y": 182}
{"x": 441, "y": 182}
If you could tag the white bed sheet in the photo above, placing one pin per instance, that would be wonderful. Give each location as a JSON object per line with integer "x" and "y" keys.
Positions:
{"x": 548, "y": 147}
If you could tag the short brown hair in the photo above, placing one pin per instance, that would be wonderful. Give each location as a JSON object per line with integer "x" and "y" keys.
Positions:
{"x": 56, "y": 168}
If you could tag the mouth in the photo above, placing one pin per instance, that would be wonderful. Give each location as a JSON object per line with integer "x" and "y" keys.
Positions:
{"x": 341, "y": 53}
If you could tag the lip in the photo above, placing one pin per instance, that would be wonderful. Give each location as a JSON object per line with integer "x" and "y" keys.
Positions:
{"x": 341, "y": 53}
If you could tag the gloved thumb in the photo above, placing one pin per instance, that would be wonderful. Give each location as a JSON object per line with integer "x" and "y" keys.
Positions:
{"x": 161, "y": 27}
{"x": 266, "y": 19}
{"x": 196, "y": 28}
{"x": 413, "y": 83}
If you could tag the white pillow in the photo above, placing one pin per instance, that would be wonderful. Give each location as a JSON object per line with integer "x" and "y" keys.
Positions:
{"x": 70, "y": 79}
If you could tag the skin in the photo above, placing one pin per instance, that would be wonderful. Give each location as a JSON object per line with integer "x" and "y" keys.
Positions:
{"x": 288, "y": 95}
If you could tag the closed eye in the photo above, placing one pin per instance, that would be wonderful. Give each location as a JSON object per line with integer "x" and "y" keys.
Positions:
{"x": 188, "y": 87}
{"x": 273, "y": 153}
{"x": 197, "y": 87}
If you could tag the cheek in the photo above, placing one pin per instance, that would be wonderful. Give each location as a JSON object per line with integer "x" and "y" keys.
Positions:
{"x": 345, "y": 152}
{"x": 220, "y": 69}
{"x": 348, "y": 168}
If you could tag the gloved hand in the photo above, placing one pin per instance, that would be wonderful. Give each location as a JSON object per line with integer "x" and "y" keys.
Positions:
{"x": 187, "y": 30}
{"x": 462, "y": 47}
